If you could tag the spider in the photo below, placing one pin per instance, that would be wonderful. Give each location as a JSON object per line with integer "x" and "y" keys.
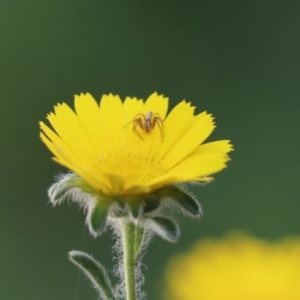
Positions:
{"x": 147, "y": 122}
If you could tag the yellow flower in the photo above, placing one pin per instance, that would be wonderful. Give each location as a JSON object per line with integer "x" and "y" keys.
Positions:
{"x": 236, "y": 268}
{"x": 100, "y": 144}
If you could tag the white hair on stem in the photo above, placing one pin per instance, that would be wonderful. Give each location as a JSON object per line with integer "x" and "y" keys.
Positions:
{"x": 115, "y": 225}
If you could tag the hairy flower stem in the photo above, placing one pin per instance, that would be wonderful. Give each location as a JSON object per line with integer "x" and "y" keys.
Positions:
{"x": 138, "y": 238}
{"x": 129, "y": 258}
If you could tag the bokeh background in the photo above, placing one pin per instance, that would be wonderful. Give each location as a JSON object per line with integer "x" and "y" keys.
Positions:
{"x": 236, "y": 59}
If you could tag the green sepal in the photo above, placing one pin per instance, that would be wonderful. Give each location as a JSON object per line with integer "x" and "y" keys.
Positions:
{"x": 151, "y": 202}
{"x": 77, "y": 181}
{"x": 97, "y": 217}
{"x": 134, "y": 204}
{"x": 95, "y": 272}
{"x": 165, "y": 228}
{"x": 119, "y": 209}
{"x": 182, "y": 197}
{"x": 60, "y": 189}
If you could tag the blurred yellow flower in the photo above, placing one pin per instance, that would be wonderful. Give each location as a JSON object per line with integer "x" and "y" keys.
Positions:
{"x": 133, "y": 148}
{"x": 236, "y": 268}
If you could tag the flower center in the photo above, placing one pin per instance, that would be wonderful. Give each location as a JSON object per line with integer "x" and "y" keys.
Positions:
{"x": 142, "y": 168}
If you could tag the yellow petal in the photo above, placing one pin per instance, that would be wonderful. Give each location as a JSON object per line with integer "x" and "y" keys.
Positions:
{"x": 57, "y": 146}
{"x": 88, "y": 113}
{"x": 175, "y": 125}
{"x": 223, "y": 146}
{"x": 171, "y": 178}
{"x": 115, "y": 183}
{"x": 131, "y": 108}
{"x": 67, "y": 126}
{"x": 198, "y": 166}
{"x": 200, "y": 127}
{"x": 111, "y": 111}
{"x": 157, "y": 104}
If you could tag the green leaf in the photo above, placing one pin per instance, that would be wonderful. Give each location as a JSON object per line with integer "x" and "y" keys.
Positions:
{"x": 95, "y": 272}
{"x": 165, "y": 228}
{"x": 183, "y": 198}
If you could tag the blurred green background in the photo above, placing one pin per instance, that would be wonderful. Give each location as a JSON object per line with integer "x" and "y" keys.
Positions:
{"x": 236, "y": 59}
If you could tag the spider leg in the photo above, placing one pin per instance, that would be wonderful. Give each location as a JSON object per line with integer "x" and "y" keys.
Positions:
{"x": 134, "y": 120}
{"x": 137, "y": 122}
{"x": 156, "y": 114}
{"x": 140, "y": 115}
{"x": 128, "y": 123}
{"x": 160, "y": 122}
{"x": 157, "y": 120}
